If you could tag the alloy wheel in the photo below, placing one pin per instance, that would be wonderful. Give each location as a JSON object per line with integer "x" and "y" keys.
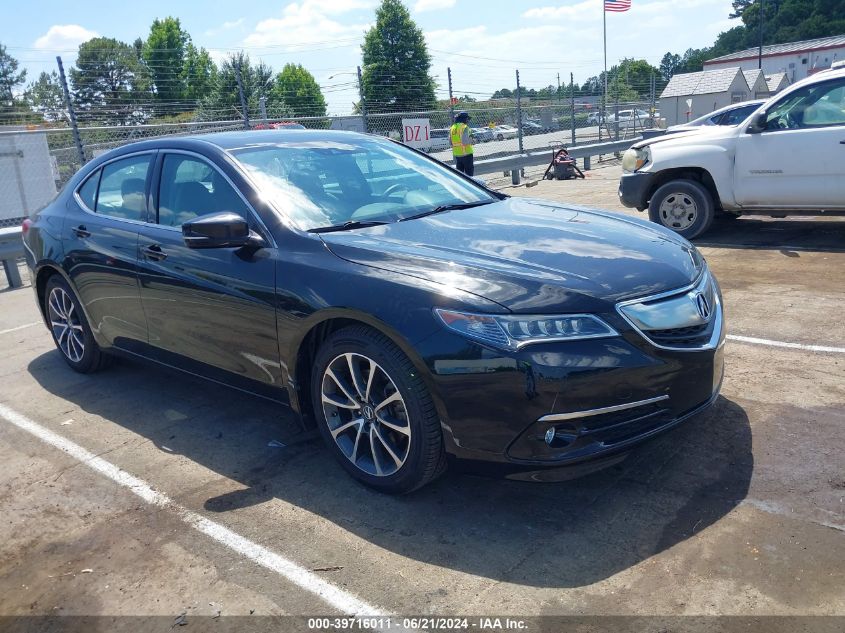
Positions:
{"x": 366, "y": 415}
{"x": 678, "y": 211}
{"x": 66, "y": 325}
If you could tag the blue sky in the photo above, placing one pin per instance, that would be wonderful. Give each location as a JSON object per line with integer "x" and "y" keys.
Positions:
{"x": 483, "y": 41}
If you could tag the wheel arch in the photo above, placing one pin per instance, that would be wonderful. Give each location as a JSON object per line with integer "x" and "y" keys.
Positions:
{"x": 319, "y": 327}
{"x": 697, "y": 174}
{"x": 43, "y": 272}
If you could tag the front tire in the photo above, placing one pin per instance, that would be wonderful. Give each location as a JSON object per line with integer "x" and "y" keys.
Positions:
{"x": 684, "y": 206}
{"x": 69, "y": 327}
{"x": 375, "y": 412}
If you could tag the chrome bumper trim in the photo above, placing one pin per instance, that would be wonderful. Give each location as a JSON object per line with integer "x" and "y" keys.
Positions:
{"x": 560, "y": 417}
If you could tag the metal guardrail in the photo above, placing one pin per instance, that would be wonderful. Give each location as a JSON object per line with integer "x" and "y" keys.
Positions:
{"x": 11, "y": 248}
{"x": 515, "y": 162}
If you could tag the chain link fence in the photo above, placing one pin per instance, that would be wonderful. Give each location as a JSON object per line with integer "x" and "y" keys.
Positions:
{"x": 37, "y": 160}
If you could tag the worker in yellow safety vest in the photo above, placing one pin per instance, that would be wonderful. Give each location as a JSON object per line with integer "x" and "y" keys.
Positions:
{"x": 461, "y": 136}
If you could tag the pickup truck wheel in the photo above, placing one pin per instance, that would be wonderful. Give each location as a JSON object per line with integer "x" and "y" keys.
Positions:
{"x": 684, "y": 206}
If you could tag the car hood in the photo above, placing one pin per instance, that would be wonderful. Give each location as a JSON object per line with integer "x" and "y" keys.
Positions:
{"x": 529, "y": 255}
{"x": 679, "y": 136}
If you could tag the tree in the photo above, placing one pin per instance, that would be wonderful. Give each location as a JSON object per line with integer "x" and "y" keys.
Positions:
{"x": 164, "y": 54}
{"x": 504, "y": 93}
{"x": 198, "y": 73}
{"x": 396, "y": 62}
{"x": 10, "y": 78}
{"x": 109, "y": 83}
{"x": 739, "y": 7}
{"x": 224, "y": 101}
{"x": 44, "y": 95}
{"x": 298, "y": 90}
{"x": 669, "y": 65}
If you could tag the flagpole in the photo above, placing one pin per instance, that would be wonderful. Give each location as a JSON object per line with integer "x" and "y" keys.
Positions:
{"x": 604, "y": 31}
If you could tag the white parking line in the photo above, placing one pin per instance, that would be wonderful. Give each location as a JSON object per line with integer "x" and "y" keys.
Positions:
{"x": 765, "y": 341}
{"x": 345, "y": 602}
{"x": 20, "y": 327}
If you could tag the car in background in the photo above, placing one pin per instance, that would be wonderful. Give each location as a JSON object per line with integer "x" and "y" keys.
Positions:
{"x": 786, "y": 158}
{"x": 279, "y": 125}
{"x": 412, "y": 316}
{"x": 640, "y": 118}
{"x": 438, "y": 140}
{"x": 594, "y": 118}
{"x": 482, "y": 134}
{"x": 530, "y": 128}
{"x": 733, "y": 114}
{"x": 501, "y": 132}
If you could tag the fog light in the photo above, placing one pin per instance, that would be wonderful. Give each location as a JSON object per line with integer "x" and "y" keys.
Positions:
{"x": 550, "y": 435}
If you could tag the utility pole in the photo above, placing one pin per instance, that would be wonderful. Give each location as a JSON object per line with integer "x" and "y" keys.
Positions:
{"x": 558, "y": 89}
{"x": 241, "y": 93}
{"x": 518, "y": 112}
{"x": 451, "y": 98}
{"x": 572, "y": 104}
{"x": 262, "y": 104}
{"x": 363, "y": 101}
{"x": 70, "y": 113}
{"x": 760, "y": 49}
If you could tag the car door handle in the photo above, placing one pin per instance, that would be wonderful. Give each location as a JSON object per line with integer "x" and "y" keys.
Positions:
{"x": 153, "y": 251}
{"x": 842, "y": 142}
{"x": 81, "y": 231}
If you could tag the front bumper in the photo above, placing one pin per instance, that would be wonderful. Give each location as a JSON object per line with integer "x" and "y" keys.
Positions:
{"x": 635, "y": 189}
{"x": 602, "y": 396}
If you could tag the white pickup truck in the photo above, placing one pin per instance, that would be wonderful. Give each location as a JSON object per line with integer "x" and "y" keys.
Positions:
{"x": 787, "y": 158}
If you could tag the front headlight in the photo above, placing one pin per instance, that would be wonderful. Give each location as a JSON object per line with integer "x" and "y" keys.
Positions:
{"x": 634, "y": 158}
{"x": 514, "y": 331}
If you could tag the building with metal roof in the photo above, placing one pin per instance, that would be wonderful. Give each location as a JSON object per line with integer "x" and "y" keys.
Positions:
{"x": 691, "y": 95}
{"x": 795, "y": 59}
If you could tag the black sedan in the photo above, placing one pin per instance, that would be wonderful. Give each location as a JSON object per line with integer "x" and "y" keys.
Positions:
{"x": 414, "y": 316}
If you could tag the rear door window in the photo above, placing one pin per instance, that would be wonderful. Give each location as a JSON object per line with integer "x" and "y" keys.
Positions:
{"x": 122, "y": 191}
{"x": 88, "y": 191}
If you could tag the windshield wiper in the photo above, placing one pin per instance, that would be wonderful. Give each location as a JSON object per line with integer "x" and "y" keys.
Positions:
{"x": 346, "y": 226}
{"x": 447, "y": 207}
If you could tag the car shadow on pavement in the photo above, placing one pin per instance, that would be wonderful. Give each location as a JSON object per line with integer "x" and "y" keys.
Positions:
{"x": 569, "y": 534}
{"x": 812, "y": 234}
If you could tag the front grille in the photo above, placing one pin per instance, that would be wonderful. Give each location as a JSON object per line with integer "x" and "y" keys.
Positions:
{"x": 685, "y": 319}
{"x": 692, "y": 336}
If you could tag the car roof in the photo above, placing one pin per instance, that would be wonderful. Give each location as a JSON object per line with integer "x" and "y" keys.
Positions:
{"x": 226, "y": 141}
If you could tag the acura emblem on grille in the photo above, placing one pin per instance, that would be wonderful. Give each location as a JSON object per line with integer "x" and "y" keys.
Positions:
{"x": 702, "y": 306}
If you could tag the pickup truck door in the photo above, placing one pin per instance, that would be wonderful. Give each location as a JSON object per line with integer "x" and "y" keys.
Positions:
{"x": 798, "y": 160}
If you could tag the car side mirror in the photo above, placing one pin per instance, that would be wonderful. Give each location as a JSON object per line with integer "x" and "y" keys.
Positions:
{"x": 219, "y": 230}
{"x": 757, "y": 124}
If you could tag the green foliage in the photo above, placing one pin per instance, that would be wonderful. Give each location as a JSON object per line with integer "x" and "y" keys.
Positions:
{"x": 164, "y": 55}
{"x": 628, "y": 81}
{"x": 783, "y": 21}
{"x": 224, "y": 101}
{"x": 297, "y": 89}
{"x": 10, "y": 78}
{"x": 109, "y": 81}
{"x": 396, "y": 62}
{"x": 44, "y": 95}
{"x": 199, "y": 73}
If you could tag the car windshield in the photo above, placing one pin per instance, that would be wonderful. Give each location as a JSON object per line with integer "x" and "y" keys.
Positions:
{"x": 329, "y": 183}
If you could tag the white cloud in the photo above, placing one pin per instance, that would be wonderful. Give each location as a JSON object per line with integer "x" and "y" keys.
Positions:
{"x": 591, "y": 9}
{"x": 433, "y": 5}
{"x": 64, "y": 37}
{"x": 308, "y": 22}
{"x": 226, "y": 26}
{"x": 585, "y": 10}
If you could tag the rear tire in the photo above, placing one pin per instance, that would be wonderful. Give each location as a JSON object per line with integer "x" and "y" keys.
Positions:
{"x": 375, "y": 413}
{"x": 70, "y": 330}
{"x": 683, "y": 206}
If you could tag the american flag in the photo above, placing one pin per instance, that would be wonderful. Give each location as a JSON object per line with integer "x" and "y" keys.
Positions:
{"x": 617, "y": 6}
